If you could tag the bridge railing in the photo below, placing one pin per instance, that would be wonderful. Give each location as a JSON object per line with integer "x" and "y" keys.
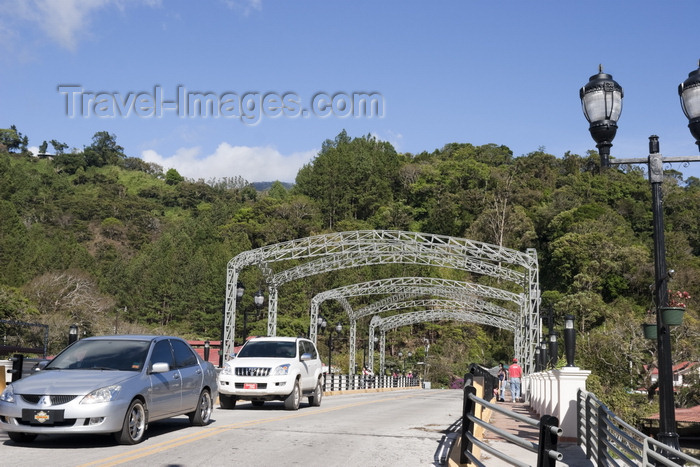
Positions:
{"x": 549, "y": 432}
{"x": 609, "y": 440}
{"x": 337, "y": 382}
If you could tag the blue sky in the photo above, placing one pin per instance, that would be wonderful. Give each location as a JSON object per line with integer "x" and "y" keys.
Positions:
{"x": 503, "y": 72}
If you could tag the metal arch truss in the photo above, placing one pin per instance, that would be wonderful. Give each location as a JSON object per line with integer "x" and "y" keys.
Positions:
{"x": 340, "y": 250}
{"x": 403, "y": 288}
{"x": 457, "y": 313}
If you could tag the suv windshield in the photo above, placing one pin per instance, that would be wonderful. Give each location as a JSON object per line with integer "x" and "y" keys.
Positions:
{"x": 102, "y": 354}
{"x": 272, "y": 349}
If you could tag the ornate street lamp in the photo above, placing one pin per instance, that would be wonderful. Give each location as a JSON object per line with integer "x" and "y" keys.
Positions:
{"x": 689, "y": 91}
{"x": 337, "y": 329}
{"x": 258, "y": 301}
{"x": 321, "y": 324}
{"x": 600, "y": 99}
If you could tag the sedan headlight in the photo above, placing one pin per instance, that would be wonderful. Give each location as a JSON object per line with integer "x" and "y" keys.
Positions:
{"x": 8, "y": 395}
{"x": 282, "y": 370}
{"x": 105, "y": 394}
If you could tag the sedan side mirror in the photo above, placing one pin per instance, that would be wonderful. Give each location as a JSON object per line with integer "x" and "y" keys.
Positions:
{"x": 160, "y": 368}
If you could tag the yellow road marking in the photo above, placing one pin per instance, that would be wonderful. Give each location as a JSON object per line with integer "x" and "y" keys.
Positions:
{"x": 211, "y": 431}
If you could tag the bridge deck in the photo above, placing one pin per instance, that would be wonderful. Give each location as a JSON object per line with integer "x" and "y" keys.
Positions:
{"x": 573, "y": 454}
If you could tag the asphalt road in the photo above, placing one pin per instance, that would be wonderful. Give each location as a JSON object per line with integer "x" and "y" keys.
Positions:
{"x": 398, "y": 428}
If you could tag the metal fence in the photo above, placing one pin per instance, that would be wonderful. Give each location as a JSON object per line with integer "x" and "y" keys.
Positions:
{"x": 549, "y": 431}
{"x": 609, "y": 440}
{"x": 335, "y": 382}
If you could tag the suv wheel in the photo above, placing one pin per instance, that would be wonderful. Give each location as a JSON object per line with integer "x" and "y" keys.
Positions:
{"x": 227, "y": 401}
{"x": 291, "y": 402}
{"x": 315, "y": 398}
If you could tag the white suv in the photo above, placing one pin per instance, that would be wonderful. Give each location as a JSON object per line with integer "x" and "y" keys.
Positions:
{"x": 273, "y": 368}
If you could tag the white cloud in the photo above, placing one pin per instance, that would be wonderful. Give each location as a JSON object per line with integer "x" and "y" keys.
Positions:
{"x": 244, "y": 6}
{"x": 66, "y": 21}
{"x": 255, "y": 164}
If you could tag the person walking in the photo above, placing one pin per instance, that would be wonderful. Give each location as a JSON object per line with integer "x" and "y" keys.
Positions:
{"x": 514, "y": 375}
{"x": 502, "y": 381}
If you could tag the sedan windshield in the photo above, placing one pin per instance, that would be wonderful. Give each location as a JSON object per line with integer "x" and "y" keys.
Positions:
{"x": 268, "y": 349}
{"x": 102, "y": 354}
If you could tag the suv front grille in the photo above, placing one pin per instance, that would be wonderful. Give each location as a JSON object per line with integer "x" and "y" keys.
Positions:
{"x": 252, "y": 371}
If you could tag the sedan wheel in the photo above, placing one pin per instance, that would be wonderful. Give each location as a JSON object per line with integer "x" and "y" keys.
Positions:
{"x": 134, "y": 424}
{"x": 202, "y": 414}
{"x": 292, "y": 401}
{"x": 21, "y": 437}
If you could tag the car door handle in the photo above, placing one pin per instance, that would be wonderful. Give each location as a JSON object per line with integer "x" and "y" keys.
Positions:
{"x": 176, "y": 376}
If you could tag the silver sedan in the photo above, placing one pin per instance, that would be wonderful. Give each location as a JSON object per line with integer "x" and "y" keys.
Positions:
{"x": 111, "y": 384}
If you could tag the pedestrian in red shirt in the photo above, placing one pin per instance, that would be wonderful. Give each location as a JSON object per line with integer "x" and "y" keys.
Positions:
{"x": 514, "y": 375}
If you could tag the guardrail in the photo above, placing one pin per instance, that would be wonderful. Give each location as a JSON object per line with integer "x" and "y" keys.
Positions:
{"x": 334, "y": 382}
{"x": 609, "y": 440}
{"x": 549, "y": 432}
{"x": 490, "y": 381}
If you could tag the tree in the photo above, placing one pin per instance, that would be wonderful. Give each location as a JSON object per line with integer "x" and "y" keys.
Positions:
{"x": 58, "y": 147}
{"x": 13, "y": 140}
{"x": 104, "y": 150}
{"x": 172, "y": 177}
{"x": 43, "y": 147}
{"x": 70, "y": 297}
{"x": 350, "y": 178}
{"x": 13, "y": 245}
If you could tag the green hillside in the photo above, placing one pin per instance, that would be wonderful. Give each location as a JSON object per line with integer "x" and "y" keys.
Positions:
{"x": 111, "y": 243}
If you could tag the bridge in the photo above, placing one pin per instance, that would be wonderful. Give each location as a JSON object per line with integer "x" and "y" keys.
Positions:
{"x": 401, "y": 301}
{"x": 578, "y": 429}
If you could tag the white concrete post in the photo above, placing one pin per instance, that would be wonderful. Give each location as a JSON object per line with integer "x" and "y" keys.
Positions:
{"x": 553, "y": 393}
{"x": 570, "y": 380}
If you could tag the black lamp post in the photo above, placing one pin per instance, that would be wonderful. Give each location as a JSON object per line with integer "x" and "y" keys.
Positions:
{"x": 401, "y": 355}
{"x": 602, "y": 101}
{"x": 321, "y": 324}
{"x": 72, "y": 333}
{"x": 543, "y": 354}
{"x": 553, "y": 349}
{"x": 337, "y": 329}
{"x": 258, "y": 300}
{"x": 569, "y": 340}
{"x": 367, "y": 351}
{"x": 538, "y": 360}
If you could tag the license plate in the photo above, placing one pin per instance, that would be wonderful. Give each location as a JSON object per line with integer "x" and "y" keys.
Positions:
{"x": 42, "y": 417}
{"x": 250, "y": 386}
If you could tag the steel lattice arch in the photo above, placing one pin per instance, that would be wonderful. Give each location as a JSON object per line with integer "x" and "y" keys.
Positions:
{"x": 400, "y": 288}
{"x": 340, "y": 250}
{"x": 458, "y": 312}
